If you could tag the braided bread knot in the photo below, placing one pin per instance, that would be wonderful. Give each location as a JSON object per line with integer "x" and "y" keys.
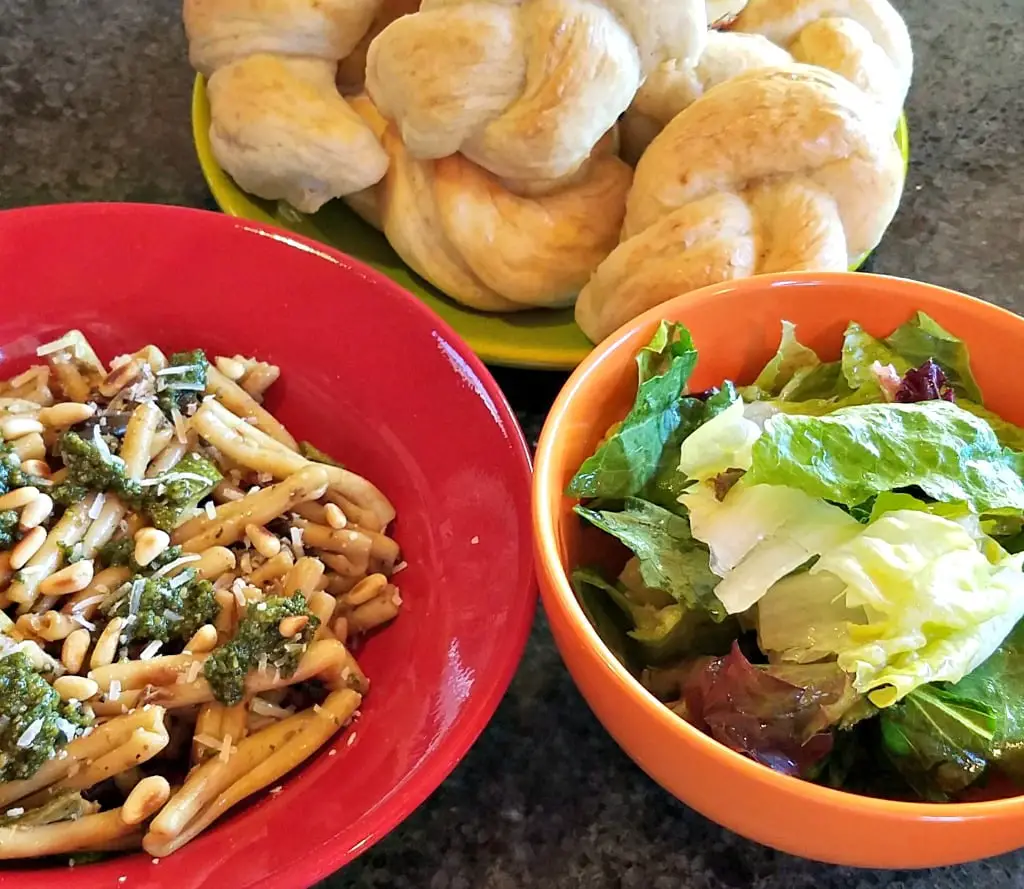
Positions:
{"x": 866, "y": 41}
{"x": 779, "y": 169}
{"x": 278, "y": 124}
{"x": 523, "y": 88}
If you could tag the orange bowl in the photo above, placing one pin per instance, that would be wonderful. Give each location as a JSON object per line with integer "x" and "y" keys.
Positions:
{"x": 736, "y": 329}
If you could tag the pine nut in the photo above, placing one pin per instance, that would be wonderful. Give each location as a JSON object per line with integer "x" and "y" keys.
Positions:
{"x": 146, "y": 798}
{"x": 67, "y": 413}
{"x": 293, "y": 625}
{"x": 265, "y": 543}
{"x": 27, "y": 547}
{"x": 29, "y": 447}
{"x": 16, "y": 427}
{"x": 341, "y": 630}
{"x": 70, "y": 579}
{"x": 368, "y": 588}
{"x": 106, "y": 646}
{"x": 38, "y": 468}
{"x": 335, "y": 517}
{"x": 233, "y": 370}
{"x": 149, "y": 543}
{"x": 203, "y": 640}
{"x": 77, "y": 688}
{"x": 36, "y": 512}
{"x": 72, "y": 655}
{"x": 18, "y": 498}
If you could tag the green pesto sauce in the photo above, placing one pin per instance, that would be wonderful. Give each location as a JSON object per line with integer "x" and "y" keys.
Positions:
{"x": 24, "y": 698}
{"x": 258, "y": 635}
{"x": 183, "y": 389}
{"x": 167, "y": 504}
{"x": 168, "y": 612}
{"x": 116, "y": 553}
{"x": 121, "y": 553}
{"x": 8, "y": 529}
{"x": 91, "y": 470}
{"x": 11, "y": 476}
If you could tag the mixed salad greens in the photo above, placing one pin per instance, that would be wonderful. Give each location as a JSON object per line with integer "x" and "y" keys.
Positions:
{"x": 823, "y": 569}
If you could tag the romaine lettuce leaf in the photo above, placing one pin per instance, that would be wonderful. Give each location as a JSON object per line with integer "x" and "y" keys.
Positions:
{"x": 760, "y": 533}
{"x": 1009, "y": 436}
{"x": 670, "y": 559}
{"x": 778, "y": 716}
{"x": 654, "y": 634}
{"x": 939, "y": 740}
{"x": 856, "y": 452}
{"x": 647, "y": 440}
{"x": 999, "y": 683}
{"x": 593, "y": 594}
{"x": 936, "y": 605}
{"x": 804, "y": 618}
{"x": 723, "y": 442}
{"x": 790, "y": 365}
{"x": 860, "y": 352}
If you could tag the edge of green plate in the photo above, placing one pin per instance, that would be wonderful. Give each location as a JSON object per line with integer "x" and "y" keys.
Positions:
{"x": 542, "y": 339}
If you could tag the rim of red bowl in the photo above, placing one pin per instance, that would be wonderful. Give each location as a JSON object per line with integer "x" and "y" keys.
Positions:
{"x": 546, "y": 480}
{"x": 418, "y": 785}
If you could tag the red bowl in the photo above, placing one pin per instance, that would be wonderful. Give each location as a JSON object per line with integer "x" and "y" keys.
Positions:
{"x": 369, "y": 374}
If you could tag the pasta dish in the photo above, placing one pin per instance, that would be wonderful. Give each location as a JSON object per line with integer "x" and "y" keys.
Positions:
{"x": 181, "y": 582}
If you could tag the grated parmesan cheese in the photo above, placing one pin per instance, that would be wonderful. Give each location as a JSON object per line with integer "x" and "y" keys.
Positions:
{"x": 186, "y": 576}
{"x": 16, "y": 812}
{"x": 176, "y": 370}
{"x": 180, "y": 431}
{"x": 261, "y": 707}
{"x": 296, "y": 536}
{"x": 135, "y": 598}
{"x": 169, "y": 477}
{"x": 114, "y": 692}
{"x": 401, "y": 566}
{"x": 177, "y": 563}
{"x": 351, "y": 740}
{"x": 79, "y": 619}
{"x": 30, "y": 733}
{"x": 211, "y": 510}
{"x": 193, "y": 671}
{"x": 97, "y": 506}
{"x": 150, "y": 650}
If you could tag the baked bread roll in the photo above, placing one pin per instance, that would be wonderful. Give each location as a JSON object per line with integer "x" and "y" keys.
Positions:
{"x": 279, "y": 127}
{"x": 456, "y": 225}
{"x": 674, "y": 85}
{"x": 352, "y": 69}
{"x": 524, "y": 88}
{"x": 776, "y": 170}
{"x": 866, "y": 41}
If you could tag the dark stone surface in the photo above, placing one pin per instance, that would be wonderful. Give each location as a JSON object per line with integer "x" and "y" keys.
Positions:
{"x": 94, "y": 105}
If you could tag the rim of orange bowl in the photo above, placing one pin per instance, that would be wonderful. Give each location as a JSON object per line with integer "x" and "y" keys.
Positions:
{"x": 546, "y": 494}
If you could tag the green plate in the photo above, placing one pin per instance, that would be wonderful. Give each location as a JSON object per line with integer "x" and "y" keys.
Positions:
{"x": 544, "y": 339}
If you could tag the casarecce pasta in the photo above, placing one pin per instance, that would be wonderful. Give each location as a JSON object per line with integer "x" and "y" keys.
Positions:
{"x": 180, "y": 581}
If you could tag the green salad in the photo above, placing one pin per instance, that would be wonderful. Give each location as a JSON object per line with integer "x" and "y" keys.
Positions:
{"x": 822, "y": 569}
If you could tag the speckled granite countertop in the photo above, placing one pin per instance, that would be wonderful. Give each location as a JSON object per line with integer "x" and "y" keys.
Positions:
{"x": 94, "y": 105}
